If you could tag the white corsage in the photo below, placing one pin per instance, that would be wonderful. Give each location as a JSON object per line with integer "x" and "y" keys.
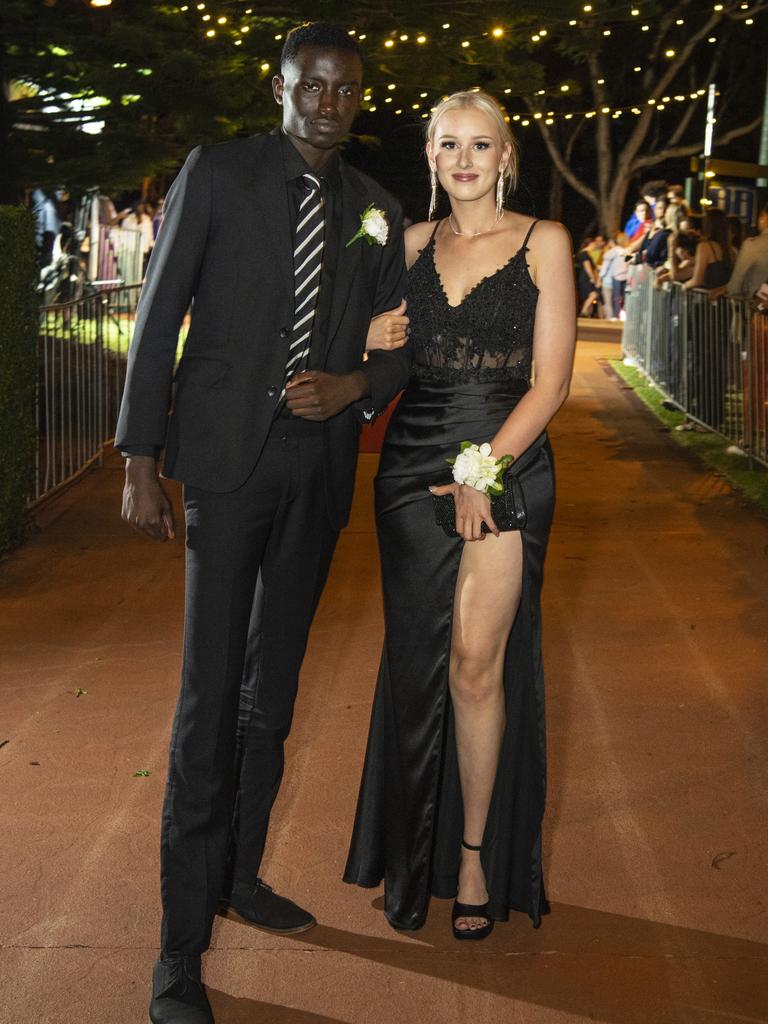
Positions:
{"x": 477, "y": 468}
{"x": 374, "y": 227}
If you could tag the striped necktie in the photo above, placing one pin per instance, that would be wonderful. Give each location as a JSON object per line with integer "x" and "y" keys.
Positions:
{"x": 307, "y": 265}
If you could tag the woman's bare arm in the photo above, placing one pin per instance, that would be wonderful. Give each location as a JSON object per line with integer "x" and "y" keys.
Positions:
{"x": 699, "y": 267}
{"x": 554, "y": 341}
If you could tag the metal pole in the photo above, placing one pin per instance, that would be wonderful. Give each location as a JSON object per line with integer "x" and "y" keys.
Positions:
{"x": 711, "y": 93}
{"x": 763, "y": 155}
{"x": 93, "y": 252}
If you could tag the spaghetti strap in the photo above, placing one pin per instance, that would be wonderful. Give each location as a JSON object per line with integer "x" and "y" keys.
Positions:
{"x": 434, "y": 231}
{"x": 530, "y": 232}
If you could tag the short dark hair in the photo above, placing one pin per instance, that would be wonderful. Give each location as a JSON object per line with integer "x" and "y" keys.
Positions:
{"x": 318, "y": 33}
{"x": 655, "y": 189}
{"x": 688, "y": 242}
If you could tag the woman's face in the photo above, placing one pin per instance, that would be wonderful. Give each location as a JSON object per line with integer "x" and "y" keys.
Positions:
{"x": 660, "y": 208}
{"x": 467, "y": 153}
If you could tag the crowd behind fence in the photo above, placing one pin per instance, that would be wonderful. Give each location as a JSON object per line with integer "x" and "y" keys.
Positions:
{"x": 709, "y": 357}
{"x": 82, "y": 352}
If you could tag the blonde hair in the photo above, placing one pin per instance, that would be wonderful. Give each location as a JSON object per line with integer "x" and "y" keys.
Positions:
{"x": 485, "y": 103}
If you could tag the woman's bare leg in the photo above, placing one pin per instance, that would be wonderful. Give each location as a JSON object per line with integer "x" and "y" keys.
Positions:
{"x": 487, "y": 598}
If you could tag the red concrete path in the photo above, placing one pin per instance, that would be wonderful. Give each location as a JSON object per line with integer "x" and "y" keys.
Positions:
{"x": 656, "y": 648}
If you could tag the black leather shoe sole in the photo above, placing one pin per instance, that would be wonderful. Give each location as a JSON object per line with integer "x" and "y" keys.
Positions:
{"x": 225, "y": 910}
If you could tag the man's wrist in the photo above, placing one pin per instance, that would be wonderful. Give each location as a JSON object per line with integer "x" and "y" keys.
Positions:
{"x": 140, "y": 464}
{"x": 359, "y": 386}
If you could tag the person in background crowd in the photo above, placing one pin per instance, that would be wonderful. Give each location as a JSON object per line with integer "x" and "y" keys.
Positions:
{"x": 139, "y": 217}
{"x": 681, "y": 248}
{"x": 690, "y": 224}
{"x": 651, "y": 246}
{"x": 586, "y": 280}
{"x": 751, "y": 267}
{"x": 735, "y": 231}
{"x": 47, "y": 225}
{"x": 676, "y": 197}
{"x": 596, "y": 249}
{"x": 714, "y": 254}
{"x": 613, "y": 276}
{"x": 657, "y": 252}
{"x": 643, "y": 219}
{"x": 157, "y": 218}
{"x": 650, "y": 194}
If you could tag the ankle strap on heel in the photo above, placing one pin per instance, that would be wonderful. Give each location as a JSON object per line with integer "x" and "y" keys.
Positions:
{"x": 468, "y": 846}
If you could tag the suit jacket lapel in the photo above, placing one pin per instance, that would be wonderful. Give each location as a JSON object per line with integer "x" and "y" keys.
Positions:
{"x": 272, "y": 202}
{"x": 353, "y": 204}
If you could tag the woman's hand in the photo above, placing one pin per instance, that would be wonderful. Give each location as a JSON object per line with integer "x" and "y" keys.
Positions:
{"x": 473, "y": 508}
{"x": 388, "y": 330}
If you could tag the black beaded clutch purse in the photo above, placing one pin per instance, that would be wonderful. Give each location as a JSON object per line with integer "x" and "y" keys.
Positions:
{"x": 508, "y": 508}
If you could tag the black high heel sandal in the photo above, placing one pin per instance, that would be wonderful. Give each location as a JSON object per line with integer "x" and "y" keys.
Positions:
{"x": 471, "y": 910}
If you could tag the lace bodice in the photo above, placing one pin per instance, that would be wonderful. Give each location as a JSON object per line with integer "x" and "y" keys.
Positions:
{"x": 487, "y": 337}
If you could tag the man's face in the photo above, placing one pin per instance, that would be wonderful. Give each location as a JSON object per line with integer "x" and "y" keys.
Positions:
{"x": 319, "y": 92}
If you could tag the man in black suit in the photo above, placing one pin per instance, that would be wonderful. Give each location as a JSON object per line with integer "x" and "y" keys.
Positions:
{"x": 264, "y": 439}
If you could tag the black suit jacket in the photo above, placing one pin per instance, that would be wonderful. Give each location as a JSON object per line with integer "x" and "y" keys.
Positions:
{"x": 225, "y": 246}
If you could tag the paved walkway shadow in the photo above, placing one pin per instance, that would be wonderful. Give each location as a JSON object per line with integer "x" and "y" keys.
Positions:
{"x": 231, "y": 1010}
{"x": 600, "y": 966}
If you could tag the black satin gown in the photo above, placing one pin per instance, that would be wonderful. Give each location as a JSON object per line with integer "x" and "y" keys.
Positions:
{"x": 472, "y": 364}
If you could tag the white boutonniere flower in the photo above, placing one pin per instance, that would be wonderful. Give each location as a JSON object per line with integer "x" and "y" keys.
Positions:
{"x": 374, "y": 227}
{"x": 476, "y": 467}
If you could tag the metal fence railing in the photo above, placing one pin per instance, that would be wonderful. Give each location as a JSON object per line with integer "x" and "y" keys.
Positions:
{"x": 709, "y": 357}
{"x": 82, "y": 351}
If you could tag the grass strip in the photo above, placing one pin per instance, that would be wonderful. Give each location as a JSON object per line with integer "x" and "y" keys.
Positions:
{"x": 709, "y": 447}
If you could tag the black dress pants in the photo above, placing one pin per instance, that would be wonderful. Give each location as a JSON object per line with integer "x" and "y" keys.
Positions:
{"x": 257, "y": 560}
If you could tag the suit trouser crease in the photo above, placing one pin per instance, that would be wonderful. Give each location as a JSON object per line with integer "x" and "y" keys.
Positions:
{"x": 257, "y": 560}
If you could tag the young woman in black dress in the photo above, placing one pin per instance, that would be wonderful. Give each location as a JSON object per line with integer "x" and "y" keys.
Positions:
{"x": 452, "y": 796}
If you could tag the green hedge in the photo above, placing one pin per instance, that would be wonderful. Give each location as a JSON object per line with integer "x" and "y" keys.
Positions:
{"x": 18, "y": 363}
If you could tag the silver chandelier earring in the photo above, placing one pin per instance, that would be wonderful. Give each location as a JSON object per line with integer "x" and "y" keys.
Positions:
{"x": 500, "y": 195}
{"x": 433, "y": 194}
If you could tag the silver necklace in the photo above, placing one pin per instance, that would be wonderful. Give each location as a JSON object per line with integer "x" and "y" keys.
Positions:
{"x": 473, "y": 234}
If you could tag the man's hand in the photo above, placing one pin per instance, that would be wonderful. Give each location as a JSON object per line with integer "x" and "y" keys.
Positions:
{"x": 145, "y": 506}
{"x": 315, "y": 395}
{"x": 388, "y": 330}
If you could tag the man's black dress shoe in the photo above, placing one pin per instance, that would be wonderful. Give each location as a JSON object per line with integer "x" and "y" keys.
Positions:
{"x": 178, "y": 996}
{"x": 261, "y": 906}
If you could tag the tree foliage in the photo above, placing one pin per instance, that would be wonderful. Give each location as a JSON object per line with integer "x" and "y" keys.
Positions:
{"x": 171, "y": 75}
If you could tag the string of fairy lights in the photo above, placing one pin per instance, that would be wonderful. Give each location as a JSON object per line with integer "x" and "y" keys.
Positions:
{"x": 233, "y": 25}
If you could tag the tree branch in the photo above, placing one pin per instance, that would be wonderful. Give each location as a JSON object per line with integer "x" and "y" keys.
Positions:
{"x": 695, "y": 147}
{"x": 665, "y": 23}
{"x": 739, "y": 15}
{"x": 602, "y": 129}
{"x": 557, "y": 158}
{"x": 629, "y": 153}
{"x": 685, "y": 120}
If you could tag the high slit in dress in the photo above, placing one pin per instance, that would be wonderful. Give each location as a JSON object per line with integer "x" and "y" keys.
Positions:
{"x": 471, "y": 365}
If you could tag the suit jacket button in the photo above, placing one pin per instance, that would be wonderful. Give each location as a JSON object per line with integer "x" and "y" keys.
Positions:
{"x": 272, "y": 391}
{"x": 284, "y": 332}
